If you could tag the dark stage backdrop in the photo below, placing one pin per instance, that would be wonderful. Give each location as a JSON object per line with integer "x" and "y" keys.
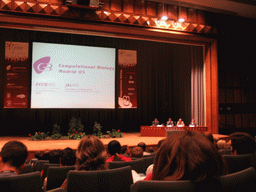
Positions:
{"x": 164, "y": 86}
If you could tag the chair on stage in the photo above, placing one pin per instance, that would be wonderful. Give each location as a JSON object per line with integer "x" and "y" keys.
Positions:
{"x": 237, "y": 163}
{"x": 244, "y": 180}
{"x": 28, "y": 182}
{"x": 57, "y": 175}
{"x": 139, "y": 165}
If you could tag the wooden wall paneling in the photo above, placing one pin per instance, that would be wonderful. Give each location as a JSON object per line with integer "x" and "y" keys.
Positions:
{"x": 192, "y": 16}
{"x": 183, "y": 13}
{"x": 222, "y": 95}
{"x": 229, "y": 80}
{"x": 140, "y": 7}
{"x": 201, "y": 17}
{"x": 172, "y": 12}
{"x": 237, "y": 96}
{"x": 230, "y": 120}
{"x": 161, "y": 10}
{"x": 245, "y": 96}
{"x": 238, "y": 120}
{"x": 128, "y": 6}
{"x": 106, "y": 5}
{"x": 230, "y": 95}
{"x": 116, "y": 5}
{"x": 253, "y": 120}
{"x": 252, "y": 95}
{"x": 246, "y": 120}
{"x": 151, "y": 8}
{"x": 222, "y": 122}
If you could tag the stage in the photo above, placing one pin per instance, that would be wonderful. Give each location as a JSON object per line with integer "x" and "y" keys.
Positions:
{"x": 130, "y": 139}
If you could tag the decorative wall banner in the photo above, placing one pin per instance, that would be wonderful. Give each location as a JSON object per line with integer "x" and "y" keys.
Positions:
{"x": 127, "y": 68}
{"x": 17, "y": 75}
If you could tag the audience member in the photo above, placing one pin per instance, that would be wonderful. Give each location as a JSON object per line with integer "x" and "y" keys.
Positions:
{"x": 67, "y": 157}
{"x": 54, "y": 156}
{"x": 46, "y": 154}
{"x": 91, "y": 155}
{"x": 143, "y": 146}
{"x": 223, "y": 147}
{"x": 187, "y": 155}
{"x": 242, "y": 143}
{"x": 13, "y": 155}
{"x": 126, "y": 151}
{"x": 137, "y": 152}
{"x": 114, "y": 149}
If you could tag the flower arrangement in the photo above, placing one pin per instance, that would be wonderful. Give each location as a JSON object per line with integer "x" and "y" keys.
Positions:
{"x": 97, "y": 130}
{"x": 115, "y": 133}
{"x": 76, "y": 135}
{"x": 56, "y": 132}
{"x": 38, "y": 136}
{"x": 75, "y": 126}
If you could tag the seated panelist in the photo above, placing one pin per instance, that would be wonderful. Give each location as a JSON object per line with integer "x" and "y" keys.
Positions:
{"x": 169, "y": 122}
{"x": 193, "y": 123}
{"x": 180, "y": 123}
{"x": 155, "y": 122}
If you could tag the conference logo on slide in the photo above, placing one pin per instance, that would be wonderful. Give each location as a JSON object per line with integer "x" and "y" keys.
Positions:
{"x": 42, "y": 64}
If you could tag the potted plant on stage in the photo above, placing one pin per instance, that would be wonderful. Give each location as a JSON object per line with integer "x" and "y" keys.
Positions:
{"x": 97, "y": 130}
{"x": 56, "y": 132}
{"x": 76, "y": 129}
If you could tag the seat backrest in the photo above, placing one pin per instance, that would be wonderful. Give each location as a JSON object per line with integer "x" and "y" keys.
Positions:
{"x": 111, "y": 180}
{"x": 139, "y": 165}
{"x": 28, "y": 182}
{"x": 27, "y": 169}
{"x": 38, "y": 165}
{"x": 46, "y": 167}
{"x": 57, "y": 175}
{"x": 237, "y": 163}
{"x": 244, "y": 180}
{"x": 163, "y": 186}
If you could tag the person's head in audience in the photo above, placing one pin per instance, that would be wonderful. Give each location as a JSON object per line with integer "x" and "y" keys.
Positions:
{"x": 125, "y": 150}
{"x": 242, "y": 143}
{"x": 91, "y": 154}
{"x": 38, "y": 155}
{"x": 142, "y": 145}
{"x": 209, "y": 136}
{"x": 46, "y": 154}
{"x": 222, "y": 144}
{"x": 14, "y": 155}
{"x": 187, "y": 155}
{"x": 68, "y": 157}
{"x": 137, "y": 152}
{"x": 160, "y": 143}
{"x": 54, "y": 156}
{"x": 114, "y": 147}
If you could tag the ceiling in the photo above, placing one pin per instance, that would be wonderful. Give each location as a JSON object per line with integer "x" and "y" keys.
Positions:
{"x": 243, "y": 8}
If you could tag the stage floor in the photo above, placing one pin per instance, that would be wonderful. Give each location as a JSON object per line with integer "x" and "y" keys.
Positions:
{"x": 130, "y": 139}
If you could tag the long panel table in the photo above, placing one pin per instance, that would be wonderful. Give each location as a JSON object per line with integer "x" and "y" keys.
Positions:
{"x": 152, "y": 131}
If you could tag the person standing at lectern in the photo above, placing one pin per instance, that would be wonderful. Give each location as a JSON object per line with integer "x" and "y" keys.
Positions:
{"x": 155, "y": 122}
{"x": 180, "y": 123}
{"x": 169, "y": 122}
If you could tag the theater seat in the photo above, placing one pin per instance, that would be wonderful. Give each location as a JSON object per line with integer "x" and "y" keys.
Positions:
{"x": 244, "y": 180}
{"x": 28, "y": 182}
{"x": 139, "y": 165}
{"x": 237, "y": 163}
{"x": 57, "y": 175}
{"x": 111, "y": 180}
